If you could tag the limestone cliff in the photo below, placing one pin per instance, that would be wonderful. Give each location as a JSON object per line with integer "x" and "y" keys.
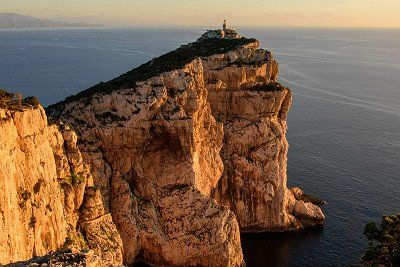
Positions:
{"x": 166, "y": 164}
{"x": 189, "y": 149}
{"x": 45, "y": 188}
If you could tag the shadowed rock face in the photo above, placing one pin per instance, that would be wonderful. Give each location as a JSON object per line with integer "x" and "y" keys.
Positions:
{"x": 188, "y": 157}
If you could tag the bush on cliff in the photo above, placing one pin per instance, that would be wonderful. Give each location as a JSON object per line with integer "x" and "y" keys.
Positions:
{"x": 15, "y": 102}
{"x": 76, "y": 179}
{"x": 31, "y": 100}
{"x": 384, "y": 246}
{"x": 270, "y": 87}
{"x": 5, "y": 98}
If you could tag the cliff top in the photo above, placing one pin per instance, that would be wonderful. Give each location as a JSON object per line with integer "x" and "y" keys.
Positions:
{"x": 15, "y": 102}
{"x": 170, "y": 61}
{"x": 224, "y": 33}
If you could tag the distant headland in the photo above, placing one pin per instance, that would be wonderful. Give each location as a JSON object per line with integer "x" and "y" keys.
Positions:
{"x": 17, "y": 21}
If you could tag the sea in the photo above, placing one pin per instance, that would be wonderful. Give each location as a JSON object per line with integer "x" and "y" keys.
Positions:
{"x": 344, "y": 125}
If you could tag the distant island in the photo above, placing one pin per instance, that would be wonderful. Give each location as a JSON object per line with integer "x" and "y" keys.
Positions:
{"x": 16, "y": 21}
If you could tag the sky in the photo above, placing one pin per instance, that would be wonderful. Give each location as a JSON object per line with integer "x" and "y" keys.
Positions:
{"x": 301, "y": 13}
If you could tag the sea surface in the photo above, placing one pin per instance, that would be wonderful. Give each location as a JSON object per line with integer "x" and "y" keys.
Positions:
{"x": 344, "y": 125}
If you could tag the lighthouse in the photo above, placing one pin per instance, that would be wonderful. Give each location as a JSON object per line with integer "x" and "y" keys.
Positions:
{"x": 224, "y": 33}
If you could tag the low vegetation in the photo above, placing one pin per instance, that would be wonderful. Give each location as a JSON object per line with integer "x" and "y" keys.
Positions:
{"x": 73, "y": 181}
{"x": 32, "y": 101}
{"x": 270, "y": 87}
{"x": 74, "y": 240}
{"x": 108, "y": 117}
{"x": 173, "y": 60}
{"x": 384, "y": 242}
{"x": 16, "y": 102}
{"x": 76, "y": 179}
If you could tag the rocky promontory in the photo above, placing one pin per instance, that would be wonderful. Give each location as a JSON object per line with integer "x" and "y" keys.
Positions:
{"x": 165, "y": 164}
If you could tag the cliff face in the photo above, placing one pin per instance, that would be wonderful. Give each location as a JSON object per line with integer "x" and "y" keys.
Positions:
{"x": 186, "y": 158}
{"x": 45, "y": 188}
{"x": 32, "y": 221}
{"x": 166, "y": 163}
{"x": 156, "y": 156}
{"x": 253, "y": 109}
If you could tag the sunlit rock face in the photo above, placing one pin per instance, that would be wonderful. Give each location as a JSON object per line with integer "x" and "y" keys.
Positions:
{"x": 165, "y": 164}
{"x": 43, "y": 181}
{"x": 188, "y": 157}
{"x": 253, "y": 110}
{"x": 156, "y": 160}
{"x": 31, "y": 216}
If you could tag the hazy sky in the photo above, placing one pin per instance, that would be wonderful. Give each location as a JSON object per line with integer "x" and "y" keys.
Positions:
{"x": 337, "y": 13}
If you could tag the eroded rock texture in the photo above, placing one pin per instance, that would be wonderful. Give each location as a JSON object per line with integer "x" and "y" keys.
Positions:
{"x": 190, "y": 156}
{"x": 44, "y": 182}
{"x": 156, "y": 159}
{"x": 253, "y": 110}
{"x": 32, "y": 219}
{"x": 166, "y": 164}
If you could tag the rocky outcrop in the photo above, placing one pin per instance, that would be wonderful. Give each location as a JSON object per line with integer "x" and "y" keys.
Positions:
{"x": 157, "y": 159}
{"x": 253, "y": 109}
{"x": 189, "y": 149}
{"x": 44, "y": 183}
{"x": 304, "y": 207}
{"x": 165, "y": 164}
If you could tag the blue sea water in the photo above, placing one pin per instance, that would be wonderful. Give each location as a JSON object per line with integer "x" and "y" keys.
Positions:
{"x": 344, "y": 125}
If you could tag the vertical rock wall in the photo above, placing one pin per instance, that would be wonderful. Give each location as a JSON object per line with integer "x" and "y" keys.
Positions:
{"x": 43, "y": 181}
{"x": 159, "y": 153}
{"x": 32, "y": 219}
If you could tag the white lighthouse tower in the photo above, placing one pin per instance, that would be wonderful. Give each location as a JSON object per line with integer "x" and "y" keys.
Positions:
{"x": 224, "y": 33}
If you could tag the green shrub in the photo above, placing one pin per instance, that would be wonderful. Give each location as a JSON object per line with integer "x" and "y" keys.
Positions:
{"x": 74, "y": 239}
{"x": 107, "y": 116}
{"x": 24, "y": 196}
{"x": 31, "y": 100}
{"x": 15, "y": 101}
{"x": 76, "y": 179}
{"x": 5, "y": 98}
{"x": 384, "y": 241}
{"x": 270, "y": 87}
{"x": 5, "y": 95}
